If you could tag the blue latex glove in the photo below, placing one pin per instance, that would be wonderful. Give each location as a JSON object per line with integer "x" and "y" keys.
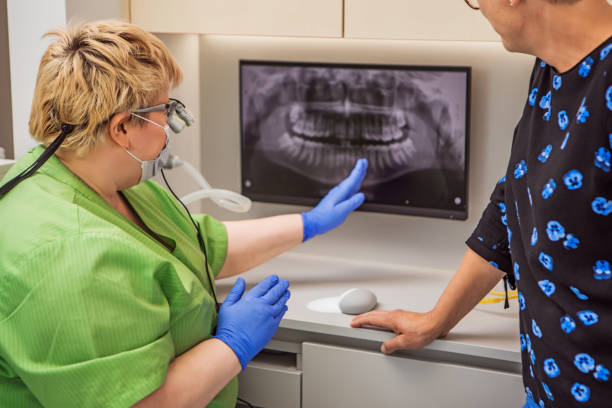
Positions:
{"x": 339, "y": 202}
{"x": 247, "y": 323}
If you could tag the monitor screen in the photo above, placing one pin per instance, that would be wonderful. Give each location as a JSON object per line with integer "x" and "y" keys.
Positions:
{"x": 304, "y": 125}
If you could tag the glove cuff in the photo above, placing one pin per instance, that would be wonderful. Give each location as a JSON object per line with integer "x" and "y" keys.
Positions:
{"x": 236, "y": 348}
{"x": 309, "y": 230}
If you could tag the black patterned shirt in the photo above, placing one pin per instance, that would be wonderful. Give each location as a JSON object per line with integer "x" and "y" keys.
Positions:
{"x": 549, "y": 226}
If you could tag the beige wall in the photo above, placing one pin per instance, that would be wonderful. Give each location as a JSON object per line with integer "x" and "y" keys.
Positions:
{"x": 6, "y": 117}
{"x": 499, "y": 90}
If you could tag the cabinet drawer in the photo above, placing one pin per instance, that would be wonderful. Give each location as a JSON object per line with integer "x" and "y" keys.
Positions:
{"x": 342, "y": 377}
{"x": 271, "y": 381}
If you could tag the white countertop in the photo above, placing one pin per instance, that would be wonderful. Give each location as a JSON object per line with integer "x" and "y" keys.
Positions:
{"x": 488, "y": 331}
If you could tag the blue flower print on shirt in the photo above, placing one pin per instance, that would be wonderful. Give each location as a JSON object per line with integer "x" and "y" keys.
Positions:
{"x": 542, "y": 64}
{"x": 531, "y": 371}
{"x": 504, "y": 220}
{"x": 528, "y": 341}
{"x": 520, "y": 169}
{"x": 549, "y": 394}
{"x": 549, "y": 189}
{"x": 584, "y": 362}
{"x": 481, "y": 239}
{"x": 568, "y": 324}
{"x": 555, "y": 231}
{"x": 494, "y": 264}
{"x": 557, "y": 82}
{"x": 546, "y": 261}
{"x": 567, "y": 135}
{"x": 610, "y": 139}
{"x": 551, "y": 368}
{"x": 545, "y": 101}
{"x": 546, "y": 115}
{"x": 602, "y": 206}
{"x": 542, "y": 404}
{"x": 536, "y": 329}
{"x": 532, "y": 356}
{"x": 588, "y": 317}
{"x": 528, "y": 392}
{"x": 571, "y": 242}
{"x": 583, "y": 112}
{"x": 563, "y": 119}
{"x": 545, "y": 154}
{"x": 585, "y": 67}
{"x": 502, "y": 180}
{"x": 602, "y": 270}
{"x": 579, "y": 294}
{"x": 609, "y": 97}
{"x": 602, "y": 159}
{"x": 573, "y": 179}
{"x": 521, "y": 300}
{"x": 601, "y": 373}
{"x": 534, "y": 236}
{"x": 533, "y": 96}
{"x": 604, "y": 52}
{"x": 581, "y": 392}
{"x": 523, "y": 344}
{"x": 517, "y": 275}
{"x": 547, "y": 287}
{"x": 502, "y": 207}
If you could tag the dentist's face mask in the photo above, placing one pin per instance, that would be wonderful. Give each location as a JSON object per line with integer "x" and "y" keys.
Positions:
{"x": 177, "y": 117}
{"x": 152, "y": 167}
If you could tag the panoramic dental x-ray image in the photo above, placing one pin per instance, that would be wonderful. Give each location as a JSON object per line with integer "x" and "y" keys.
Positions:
{"x": 305, "y": 125}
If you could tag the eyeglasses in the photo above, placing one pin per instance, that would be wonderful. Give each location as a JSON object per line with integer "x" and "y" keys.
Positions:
{"x": 473, "y": 4}
{"x": 176, "y": 113}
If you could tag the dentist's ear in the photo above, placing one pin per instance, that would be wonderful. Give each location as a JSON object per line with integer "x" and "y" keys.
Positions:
{"x": 117, "y": 129}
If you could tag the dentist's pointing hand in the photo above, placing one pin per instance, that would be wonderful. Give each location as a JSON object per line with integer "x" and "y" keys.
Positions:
{"x": 339, "y": 202}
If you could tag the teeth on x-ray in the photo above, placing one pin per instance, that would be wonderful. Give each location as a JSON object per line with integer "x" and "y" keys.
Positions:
{"x": 318, "y": 121}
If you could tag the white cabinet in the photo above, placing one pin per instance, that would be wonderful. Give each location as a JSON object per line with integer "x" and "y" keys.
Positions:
{"x": 415, "y": 20}
{"x": 446, "y": 20}
{"x": 342, "y": 377}
{"x": 314, "y": 18}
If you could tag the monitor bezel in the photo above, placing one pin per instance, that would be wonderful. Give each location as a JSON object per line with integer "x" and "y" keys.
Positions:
{"x": 368, "y": 207}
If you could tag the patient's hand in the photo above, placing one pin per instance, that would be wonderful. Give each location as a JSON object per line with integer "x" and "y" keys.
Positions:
{"x": 414, "y": 330}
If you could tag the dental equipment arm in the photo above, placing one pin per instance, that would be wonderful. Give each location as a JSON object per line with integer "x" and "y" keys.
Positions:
{"x": 472, "y": 281}
{"x": 223, "y": 198}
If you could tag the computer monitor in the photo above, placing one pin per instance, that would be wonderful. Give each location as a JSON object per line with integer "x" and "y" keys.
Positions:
{"x": 303, "y": 126}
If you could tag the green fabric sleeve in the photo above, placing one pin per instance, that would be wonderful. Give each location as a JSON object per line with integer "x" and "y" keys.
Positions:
{"x": 215, "y": 239}
{"x": 90, "y": 326}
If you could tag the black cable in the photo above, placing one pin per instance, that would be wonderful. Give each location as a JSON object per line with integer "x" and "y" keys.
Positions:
{"x": 66, "y": 129}
{"x": 246, "y": 403}
{"x": 200, "y": 240}
{"x": 506, "y": 302}
{"x": 203, "y": 248}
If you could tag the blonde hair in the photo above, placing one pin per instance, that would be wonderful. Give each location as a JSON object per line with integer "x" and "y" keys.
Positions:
{"x": 93, "y": 71}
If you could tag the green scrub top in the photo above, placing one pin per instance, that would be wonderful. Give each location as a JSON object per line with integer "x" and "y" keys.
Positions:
{"x": 92, "y": 308}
